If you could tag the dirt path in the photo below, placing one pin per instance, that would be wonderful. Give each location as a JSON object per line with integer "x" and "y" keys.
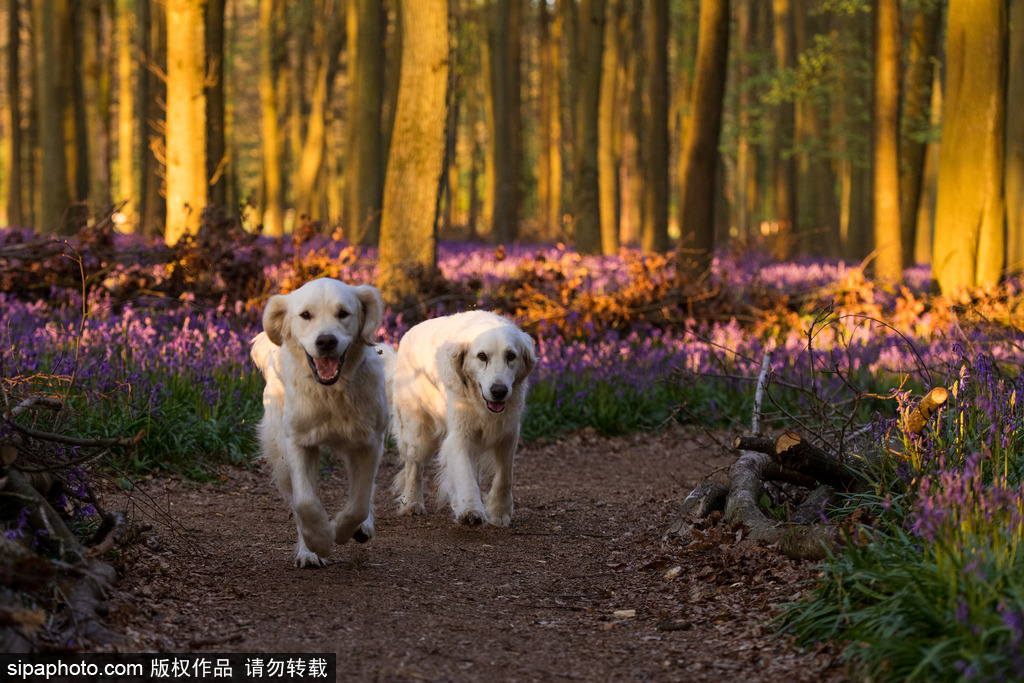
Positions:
{"x": 579, "y": 588}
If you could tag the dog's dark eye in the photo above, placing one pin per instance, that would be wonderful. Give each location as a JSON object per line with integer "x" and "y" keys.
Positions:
{"x": 510, "y": 356}
{"x": 306, "y": 315}
{"x": 482, "y": 356}
{"x": 342, "y": 314}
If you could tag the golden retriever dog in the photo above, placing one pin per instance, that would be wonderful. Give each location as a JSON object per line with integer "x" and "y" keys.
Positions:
{"x": 324, "y": 388}
{"x": 458, "y": 389}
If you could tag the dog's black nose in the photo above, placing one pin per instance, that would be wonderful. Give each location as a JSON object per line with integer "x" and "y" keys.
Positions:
{"x": 326, "y": 343}
{"x": 499, "y": 392}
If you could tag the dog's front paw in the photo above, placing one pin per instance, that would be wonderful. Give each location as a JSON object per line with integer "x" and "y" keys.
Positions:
{"x": 500, "y": 514}
{"x": 470, "y": 516}
{"x": 364, "y": 533}
{"x": 315, "y": 528}
{"x": 305, "y": 559}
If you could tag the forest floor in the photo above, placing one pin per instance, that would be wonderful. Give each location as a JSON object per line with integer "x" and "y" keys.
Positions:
{"x": 588, "y": 584}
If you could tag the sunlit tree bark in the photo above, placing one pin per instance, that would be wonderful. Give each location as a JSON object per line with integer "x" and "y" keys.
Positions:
{"x": 917, "y": 95}
{"x": 969, "y": 243}
{"x": 1014, "y": 181}
{"x": 126, "y": 140}
{"x": 608, "y": 153}
{"x": 53, "y": 192}
{"x": 186, "y": 118}
{"x": 656, "y": 148}
{"x": 365, "y": 170}
{"x": 549, "y": 178}
{"x": 885, "y": 159}
{"x": 408, "y": 238}
{"x": 700, "y": 155}
{"x": 272, "y": 142}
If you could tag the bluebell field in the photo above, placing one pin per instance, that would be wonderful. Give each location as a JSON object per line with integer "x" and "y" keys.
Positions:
{"x": 934, "y": 588}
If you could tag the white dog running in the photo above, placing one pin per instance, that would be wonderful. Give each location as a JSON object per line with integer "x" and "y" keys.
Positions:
{"x": 324, "y": 388}
{"x": 458, "y": 388}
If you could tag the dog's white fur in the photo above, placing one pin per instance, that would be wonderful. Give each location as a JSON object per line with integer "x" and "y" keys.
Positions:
{"x": 325, "y": 388}
{"x": 458, "y": 389}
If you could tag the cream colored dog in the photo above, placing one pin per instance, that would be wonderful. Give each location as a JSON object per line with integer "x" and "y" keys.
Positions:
{"x": 325, "y": 388}
{"x": 458, "y": 389}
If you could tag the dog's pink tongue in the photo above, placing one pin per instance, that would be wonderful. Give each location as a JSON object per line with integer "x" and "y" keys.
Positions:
{"x": 327, "y": 368}
{"x": 495, "y": 406}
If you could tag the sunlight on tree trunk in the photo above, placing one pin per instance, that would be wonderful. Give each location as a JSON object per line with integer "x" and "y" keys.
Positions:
{"x": 608, "y": 125}
{"x": 549, "y": 179}
{"x": 13, "y": 148}
{"x": 408, "y": 240}
{"x": 272, "y": 143}
{"x": 126, "y": 140}
{"x": 700, "y": 156}
{"x": 969, "y": 243}
{"x": 186, "y": 118}
{"x": 885, "y": 158}
{"x": 656, "y": 175}
{"x": 783, "y": 160}
{"x": 1015, "y": 142}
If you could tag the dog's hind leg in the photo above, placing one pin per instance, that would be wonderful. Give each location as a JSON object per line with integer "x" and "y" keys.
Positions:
{"x": 355, "y": 521}
{"x": 315, "y": 532}
{"x": 415, "y": 445}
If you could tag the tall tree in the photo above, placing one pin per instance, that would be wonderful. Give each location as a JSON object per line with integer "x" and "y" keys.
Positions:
{"x": 408, "y": 238}
{"x": 152, "y": 89}
{"x": 186, "y": 118}
{"x": 13, "y": 162}
{"x": 586, "y": 210}
{"x": 506, "y": 129}
{"x": 54, "y": 193}
{"x": 126, "y": 140}
{"x": 655, "y": 230}
{"x": 217, "y": 157}
{"x": 969, "y": 246}
{"x": 1014, "y": 181}
{"x": 700, "y": 156}
{"x": 916, "y": 120}
{"x": 608, "y": 122}
{"x": 365, "y": 170}
{"x": 549, "y": 177}
{"x": 271, "y": 54}
{"x": 885, "y": 148}
{"x": 783, "y": 161}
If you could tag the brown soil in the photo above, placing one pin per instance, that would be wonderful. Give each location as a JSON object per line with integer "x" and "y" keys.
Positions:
{"x": 587, "y": 584}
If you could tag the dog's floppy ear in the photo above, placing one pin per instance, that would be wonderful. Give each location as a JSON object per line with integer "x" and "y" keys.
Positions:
{"x": 371, "y": 312}
{"x": 451, "y": 363}
{"x": 274, "y": 316}
{"x": 528, "y": 356}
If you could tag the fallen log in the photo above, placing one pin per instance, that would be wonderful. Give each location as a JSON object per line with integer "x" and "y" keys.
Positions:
{"x": 793, "y": 453}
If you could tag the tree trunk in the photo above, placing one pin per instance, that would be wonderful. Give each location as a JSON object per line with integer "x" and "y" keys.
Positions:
{"x": 549, "y": 178}
{"x": 54, "y": 194}
{"x": 186, "y": 118}
{"x": 1014, "y": 174}
{"x": 608, "y": 130}
{"x": 506, "y": 131}
{"x": 408, "y": 239}
{"x": 217, "y": 171}
{"x": 784, "y": 163}
{"x": 917, "y": 96}
{"x": 13, "y": 162}
{"x": 152, "y": 22}
{"x": 885, "y": 158}
{"x": 272, "y": 140}
{"x": 969, "y": 243}
{"x": 586, "y": 187}
{"x": 700, "y": 156}
{"x": 365, "y": 170}
{"x": 126, "y": 141}
{"x": 656, "y": 151}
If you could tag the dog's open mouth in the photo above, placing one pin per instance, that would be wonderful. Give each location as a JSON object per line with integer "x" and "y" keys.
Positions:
{"x": 326, "y": 369}
{"x": 495, "y": 406}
